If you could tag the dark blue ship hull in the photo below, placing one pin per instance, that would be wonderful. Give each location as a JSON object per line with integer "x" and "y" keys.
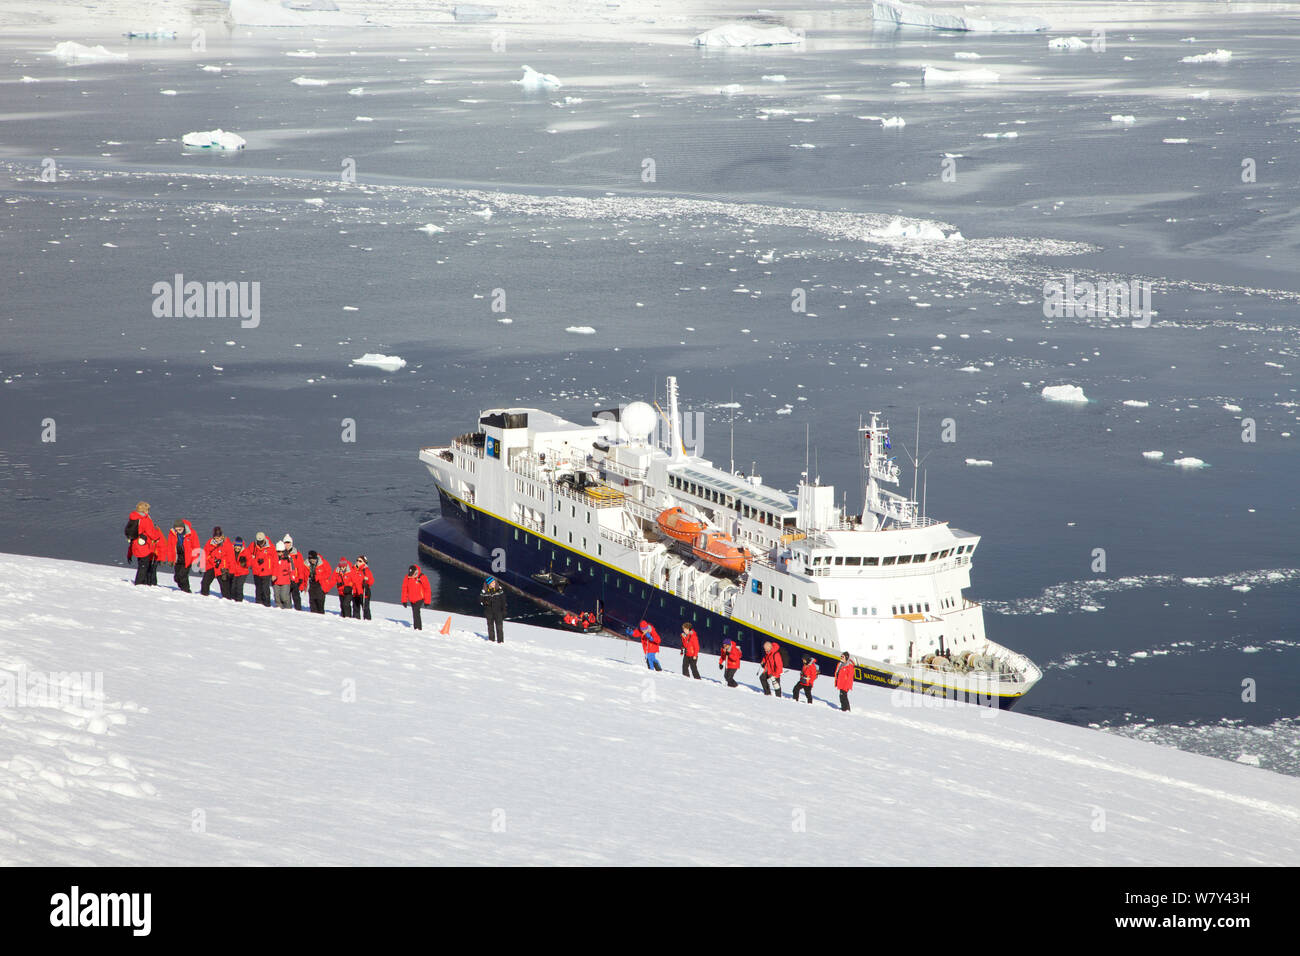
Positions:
{"x": 562, "y": 579}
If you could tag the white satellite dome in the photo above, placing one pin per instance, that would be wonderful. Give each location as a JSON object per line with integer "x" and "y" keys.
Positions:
{"x": 638, "y": 420}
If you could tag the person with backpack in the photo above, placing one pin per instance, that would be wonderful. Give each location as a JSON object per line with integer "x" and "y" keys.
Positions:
{"x": 361, "y": 595}
{"x": 416, "y": 592}
{"x": 320, "y": 581}
{"x": 690, "y": 651}
{"x": 300, "y": 580}
{"x": 238, "y": 570}
{"x": 773, "y": 666}
{"x": 140, "y": 525}
{"x": 493, "y": 599}
{"x": 844, "y": 673}
{"x": 262, "y": 562}
{"x": 184, "y": 546}
{"x": 807, "y": 677}
{"x": 650, "y": 642}
{"x": 343, "y": 581}
{"x": 729, "y": 661}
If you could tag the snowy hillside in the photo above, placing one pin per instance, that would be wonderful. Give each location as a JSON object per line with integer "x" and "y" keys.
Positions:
{"x": 241, "y": 734}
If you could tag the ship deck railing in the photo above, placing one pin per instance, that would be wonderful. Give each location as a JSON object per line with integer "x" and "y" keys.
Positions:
{"x": 624, "y": 471}
{"x": 626, "y": 540}
{"x": 879, "y": 571}
{"x": 475, "y": 451}
{"x": 598, "y": 496}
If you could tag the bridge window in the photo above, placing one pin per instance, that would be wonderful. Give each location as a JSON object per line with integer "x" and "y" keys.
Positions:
{"x": 888, "y": 561}
{"x": 904, "y": 559}
{"x": 918, "y": 558}
{"x": 839, "y": 559}
{"x": 853, "y": 560}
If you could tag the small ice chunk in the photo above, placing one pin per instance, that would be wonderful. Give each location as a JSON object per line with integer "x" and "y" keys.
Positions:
{"x": 430, "y": 229}
{"x": 933, "y": 76}
{"x": 532, "y": 80}
{"x": 389, "y": 363}
{"x": 308, "y": 81}
{"x": 70, "y": 51}
{"x": 1012, "y": 134}
{"x": 731, "y": 89}
{"x": 892, "y": 122}
{"x": 1136, "y": 403}
{"x": 979, "y": 462}
{"x": 1190, "y": 463}
{"x": 1065, "y": 393}
{"x": 965, "y": 55}
{"x": 1122, "y": 118}
{"x": 167, "y": 92}
{"x": 1217, "y": 56}
{"x": 773, "y": 77}
{"x": 744, "y": 34}
{"x": 581, "y": 330}
{"x": 1067, "y": 43}
{"x": 214, "y": 139}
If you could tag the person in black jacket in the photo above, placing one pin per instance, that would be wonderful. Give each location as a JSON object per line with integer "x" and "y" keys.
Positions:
{"x": 493, "y": 598}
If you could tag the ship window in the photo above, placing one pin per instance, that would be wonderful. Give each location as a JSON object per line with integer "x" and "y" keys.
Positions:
{"x": 927, "y": 605}
{"x": 888, "y": 561}
{"x": 918, "y": 558}
{"x": 933, "y": 556}
{"x": 910, "y": 609}
{"x": 873, "y": 612}
{"x": 839, "y": 559}
{"x": 794, "y": 600}
{"x": 962, "y": 549}
{"x": 600, "y": 549}
{"x": 758, "y": 587}
{"x": 516, "y": 534}
{"x": 871, "y": 562}
{"x": 853, "y": 560}
{"x": 893, "y": 609}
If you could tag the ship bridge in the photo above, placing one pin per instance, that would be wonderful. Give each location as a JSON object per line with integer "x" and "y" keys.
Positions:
{"x": 769, "y": 506}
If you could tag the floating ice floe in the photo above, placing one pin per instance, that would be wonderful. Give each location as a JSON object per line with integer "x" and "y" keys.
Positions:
{"x": 773, "y": 77}
{"x": 1067, "y": 43}
{"x": 1121, "y": 118}
{"x": 532, "y": 80}
{"x": 581, "y": 330}
{"x": 731, "y": 89}
{"x": 1229, "y": 407}
{"x": 965, "y": 55}
{"x": 71, "y": 51}
{"x": 305, "y": 54}
{"x": 1190, "y": 462}
{"x": 1218, "y": 56}
{"x": 933, "y": 76}
{"x": 166, "y": 92}
{"x": 979, "y": 462}
{"x": 892, "y": 122}
{"x": 1064, "y": 393}
{"x": 901, "y": 83}
{"x": 308, "y": 81}
{"x": 210, "y": 69}
{"x": 1153, "y": 455}
{"x": 357, "y": 91}
{"x": 1008, "y": 135}
{"x": 1136, "y": 403}
{"x": 890, "y": 13}
{"x": 389, "y": 363}
{"x": 915, "y": 229}
{"x": 314, "y": 201}
{"x": 430, "y": 229}
{"x": 1174, "y": 140}
{"x": 743, "y": 34}
{"x": 214, "y": 139}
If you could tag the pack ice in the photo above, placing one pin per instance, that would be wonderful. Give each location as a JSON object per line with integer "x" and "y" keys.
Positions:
{"x": 889, "y": 13}
{"x": 304, "y": 739}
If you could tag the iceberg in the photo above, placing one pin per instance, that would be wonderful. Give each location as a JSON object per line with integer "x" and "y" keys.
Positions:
{"x": 893, "y": 122}
{"x": 979, "y": 462}
{"x": 532, "y": 80}
{"x": 214, "y": 139}
{"x": 389, "y": 363}
{"x": 1123, "y": 118}
{"x": 308, "y": 81}
{"x": 890, "y": 13}
{"x": 1190, "y": 462}
{"x": 1065, "y": 393}
{"x": 71, "y": 51}
{"x": 933, "y": 76}
{"x": 581, "y": 330}
{"x": 743, "y": 34}
{"x": 915, "y": 229}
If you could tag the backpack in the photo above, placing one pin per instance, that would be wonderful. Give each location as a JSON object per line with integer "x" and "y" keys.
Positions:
{"x": 133, "y": 528}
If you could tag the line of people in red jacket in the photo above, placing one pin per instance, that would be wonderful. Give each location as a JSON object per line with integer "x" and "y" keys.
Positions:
{"x": 279, "y": 571}
{"x": 729, "y": 663}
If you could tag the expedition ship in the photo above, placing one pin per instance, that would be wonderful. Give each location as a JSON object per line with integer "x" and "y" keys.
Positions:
{"x": 615, "y": 518}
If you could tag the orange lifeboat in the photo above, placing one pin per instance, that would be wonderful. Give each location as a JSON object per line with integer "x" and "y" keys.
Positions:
{"x": 677, "y": 524}
{"x": 721, "y": 550}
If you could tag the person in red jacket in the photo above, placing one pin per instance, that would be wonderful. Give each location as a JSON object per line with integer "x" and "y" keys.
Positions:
{"x": 319, "y": 582}
{"x": 363, "y": 579}
{"x": 844, "y": 672}
{"x": 262, "y": 565}
{"x": 218, "y": 555}
{"x": 237, "y": 570}
{"x": 690, "y": 651}
{"x": 283, "y": 576}
{"x": 301, "y": 579}
{"x": 730, "y": 660}
{"x": 650, "y": 642}
{"x": 184, "y": 547}
{"x": 807, "y": 677}
{"x": 140, "y": 525}
{"x": 772, "y": 667}
{"x": 343, "y": 581}
{"x": 415, "y": 592}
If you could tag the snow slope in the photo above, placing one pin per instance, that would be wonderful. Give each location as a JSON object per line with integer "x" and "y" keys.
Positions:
{"x": 239, "y": 734}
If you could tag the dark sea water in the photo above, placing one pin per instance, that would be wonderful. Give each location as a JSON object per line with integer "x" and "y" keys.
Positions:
{"x": 692, "y": 274}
